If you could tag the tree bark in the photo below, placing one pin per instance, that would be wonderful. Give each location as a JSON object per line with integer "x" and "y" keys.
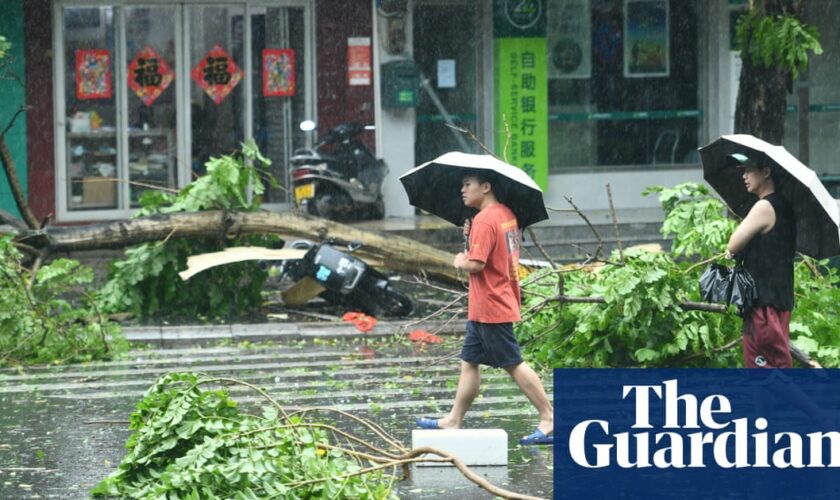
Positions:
{"x": 762, "y": 91}
{"x": 14, "y": 184}
{"x": 398, "y": 253}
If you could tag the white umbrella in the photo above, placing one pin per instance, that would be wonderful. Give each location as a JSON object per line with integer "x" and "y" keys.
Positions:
{"x": 815, "y": 211}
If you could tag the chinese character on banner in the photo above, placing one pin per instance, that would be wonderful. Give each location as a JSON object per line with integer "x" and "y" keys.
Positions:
{"x": 358, "y": 61}
{"x": 93, "y": 74}
{"x": 217, "y": 74}
{"x": 148, "y": 75}
{"x": 278, "y": 66}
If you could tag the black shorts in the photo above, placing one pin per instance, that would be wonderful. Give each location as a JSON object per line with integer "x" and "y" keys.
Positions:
{"x": 491, "y": 344}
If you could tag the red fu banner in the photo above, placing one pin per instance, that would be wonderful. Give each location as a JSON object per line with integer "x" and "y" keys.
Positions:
{"x": 149, "y": 75}
{"x": 217, "y": 73}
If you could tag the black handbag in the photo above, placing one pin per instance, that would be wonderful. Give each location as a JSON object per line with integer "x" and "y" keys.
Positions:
{"x": 722, "y": 285}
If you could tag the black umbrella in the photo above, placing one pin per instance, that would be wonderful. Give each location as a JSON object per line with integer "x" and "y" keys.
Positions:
{"x": 436, "y": 187}
{"x": 815, "y": 211}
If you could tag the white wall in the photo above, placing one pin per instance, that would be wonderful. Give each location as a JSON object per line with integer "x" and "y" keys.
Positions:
{"x": 588, "y": 190}
{"x": 395, "y": 127}
{"x": 395, "y": 133}
{"x": 721, "y": 70}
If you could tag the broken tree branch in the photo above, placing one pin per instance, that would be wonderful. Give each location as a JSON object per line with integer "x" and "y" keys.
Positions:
{"x": 686, "y": 306}
{"x": 540, "y": 248}
{"x": 11, "y": 220}
{"x": 591, "y": 227}
{"x": 14, "y": 184}
{"x": 396, "y": 252}
{"x": 615, "y": 225}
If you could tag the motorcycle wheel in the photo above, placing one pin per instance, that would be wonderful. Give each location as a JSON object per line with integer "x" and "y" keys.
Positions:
{"x": 377, "y": 210}
{"x": 311, "y": 209}
{"x": 332, "y": 204}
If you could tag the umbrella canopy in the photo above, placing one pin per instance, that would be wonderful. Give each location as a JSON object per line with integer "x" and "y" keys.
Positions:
{"x": 815, "y": 211}
{"x": 436, "y": 187}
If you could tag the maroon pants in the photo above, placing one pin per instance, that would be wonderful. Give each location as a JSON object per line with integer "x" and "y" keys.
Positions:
{"x": 767, "y": 338}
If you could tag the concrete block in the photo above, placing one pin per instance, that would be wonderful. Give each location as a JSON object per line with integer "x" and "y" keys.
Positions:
{"x": 471, "y": 446}
{"x": 451, "y": 479}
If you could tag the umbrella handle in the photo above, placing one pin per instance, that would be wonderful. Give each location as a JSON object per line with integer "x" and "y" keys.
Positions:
{"x": 466, "y": 235}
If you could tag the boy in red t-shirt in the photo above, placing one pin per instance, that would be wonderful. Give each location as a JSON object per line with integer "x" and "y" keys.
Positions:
{"x": 493, "y": 264}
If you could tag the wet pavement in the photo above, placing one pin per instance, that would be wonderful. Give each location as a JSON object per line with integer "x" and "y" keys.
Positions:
{"x": 63, "y": 428}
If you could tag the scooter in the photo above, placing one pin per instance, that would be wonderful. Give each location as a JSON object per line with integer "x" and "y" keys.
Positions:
{"x": 347, "y": 280}
{"x": 339, "y": 178}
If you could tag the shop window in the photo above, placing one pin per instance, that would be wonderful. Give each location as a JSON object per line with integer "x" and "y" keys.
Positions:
{"x": 91, "y": 159}
{"x": 113, "y": 156}
{"x": 152, "y": 111}
{"x": 217, "y": 93}
{"x": 151, "y": 92}
{"x": 623, "y": 83}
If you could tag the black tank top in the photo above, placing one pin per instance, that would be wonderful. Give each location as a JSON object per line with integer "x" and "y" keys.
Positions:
{"x": 769, "y": 258}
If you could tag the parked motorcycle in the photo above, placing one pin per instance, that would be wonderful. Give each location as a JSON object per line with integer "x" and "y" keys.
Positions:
{"x": 339, "y": 178}
{"x": 349, "y": 282}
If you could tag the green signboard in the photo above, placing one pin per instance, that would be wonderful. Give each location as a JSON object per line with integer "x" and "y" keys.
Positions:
{"x": 521, "y": 87}
{"x": 518, "y": 18}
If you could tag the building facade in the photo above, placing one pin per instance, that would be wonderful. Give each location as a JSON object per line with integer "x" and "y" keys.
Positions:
{"x": 131, "y": 95}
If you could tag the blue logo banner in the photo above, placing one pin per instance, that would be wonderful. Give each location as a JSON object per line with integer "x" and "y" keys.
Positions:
{"x": 692, "y": 433}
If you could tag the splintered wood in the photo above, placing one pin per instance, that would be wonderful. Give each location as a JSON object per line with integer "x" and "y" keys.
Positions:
{"x": 204, "y": 261}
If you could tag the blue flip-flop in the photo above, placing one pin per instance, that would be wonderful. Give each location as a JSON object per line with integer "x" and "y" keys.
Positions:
{"x": 427, "y": 423}
{"x": 537, "y": 437}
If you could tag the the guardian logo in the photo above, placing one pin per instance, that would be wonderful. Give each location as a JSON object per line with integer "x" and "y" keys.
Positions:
{"x": 696, "y": 433}
{"x": 691, "y": 432}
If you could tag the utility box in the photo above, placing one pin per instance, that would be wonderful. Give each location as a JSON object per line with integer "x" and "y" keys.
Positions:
{"x": 400, "y": 82}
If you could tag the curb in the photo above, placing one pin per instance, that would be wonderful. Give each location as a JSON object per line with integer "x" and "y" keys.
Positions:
{"x": 198, "y": 334}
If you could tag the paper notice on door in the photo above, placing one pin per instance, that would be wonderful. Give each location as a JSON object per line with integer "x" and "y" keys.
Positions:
{"x": 358, "y": 61}
{"x": 446, "y": 73}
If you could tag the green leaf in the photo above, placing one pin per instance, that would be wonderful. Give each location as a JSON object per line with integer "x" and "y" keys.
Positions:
{"x": 645, "y": 354}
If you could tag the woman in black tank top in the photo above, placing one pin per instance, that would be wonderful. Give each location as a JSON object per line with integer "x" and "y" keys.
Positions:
{"x": 766, "y": 238}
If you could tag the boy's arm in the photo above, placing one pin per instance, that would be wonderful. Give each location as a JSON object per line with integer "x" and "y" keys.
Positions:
{"x": 462, "y": 261}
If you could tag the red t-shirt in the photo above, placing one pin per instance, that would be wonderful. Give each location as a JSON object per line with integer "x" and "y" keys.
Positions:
{"x": 494, "y": 292}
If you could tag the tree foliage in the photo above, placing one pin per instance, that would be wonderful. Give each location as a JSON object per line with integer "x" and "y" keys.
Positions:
{"x": 775, "y": 47}
{"x": 193, "y": 442}
{"x": 641, "y": 324}
{"x": 146, "y": 282}
{"x": 40, "y": 323}
{"x": 777, "y": 41}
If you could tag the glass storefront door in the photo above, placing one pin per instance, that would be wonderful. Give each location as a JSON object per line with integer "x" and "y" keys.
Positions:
{"x": 90, "y": 163}
{"x": 152, "y": 116}
{"x": 445, "y": 50}
{"x": 278, "y": 61}
{"x": 151, "y": 92}
{"x": 215, "y": 48}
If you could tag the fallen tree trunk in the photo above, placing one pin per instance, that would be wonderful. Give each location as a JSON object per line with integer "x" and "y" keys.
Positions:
{"x": 396, "y": 252}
